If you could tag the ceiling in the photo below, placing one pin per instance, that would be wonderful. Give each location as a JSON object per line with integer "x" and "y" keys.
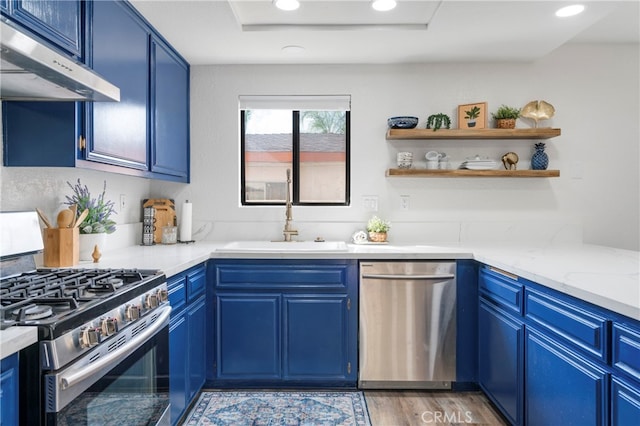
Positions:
{"x": 351, "y": 32}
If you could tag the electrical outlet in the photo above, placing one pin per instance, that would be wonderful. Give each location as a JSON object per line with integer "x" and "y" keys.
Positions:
{"x": 123, "y": 200}
{"x": 370, "y": 203}
{"x": 404, "y": 202}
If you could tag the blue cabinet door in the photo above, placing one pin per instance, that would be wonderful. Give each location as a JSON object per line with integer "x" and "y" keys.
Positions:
{"x": 625, "y": 402}
{"x": 178, "y": 383}
{"x": 9, "y": 391}
{"x": 120, "y": 52}
{"x": 316, "y": 339}
{"x": 561, "y": 386}
{"x": 248, "y": 336}
{"x": 500, "y": 360}
{"x": 170, "y": 112}
{"x": 57, "y": 21}
{"x": 196, "y": 346}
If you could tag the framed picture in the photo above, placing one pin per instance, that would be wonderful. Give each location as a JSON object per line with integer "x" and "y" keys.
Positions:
{"x": 472, "y": 116}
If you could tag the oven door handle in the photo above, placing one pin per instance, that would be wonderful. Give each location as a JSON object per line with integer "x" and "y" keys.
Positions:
{"x": 119, "y": 354}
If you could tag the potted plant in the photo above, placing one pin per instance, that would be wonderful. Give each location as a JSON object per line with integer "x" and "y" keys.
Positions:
{"x": 377, "y": 229}
{"x": 437, "y": 120}
{"x": 98, "y": 223}
{"x": 506, "y": 117}
{"x": 471, "y": 116}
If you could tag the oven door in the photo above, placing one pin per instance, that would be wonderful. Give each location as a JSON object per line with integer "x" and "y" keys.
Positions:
{"x": 127, "y": 385}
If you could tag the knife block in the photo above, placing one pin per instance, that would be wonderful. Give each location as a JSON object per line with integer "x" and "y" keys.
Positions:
{"x": 61, "y": 246}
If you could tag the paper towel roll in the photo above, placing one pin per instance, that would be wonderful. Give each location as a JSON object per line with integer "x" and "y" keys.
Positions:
{"x": 185, "y": 221}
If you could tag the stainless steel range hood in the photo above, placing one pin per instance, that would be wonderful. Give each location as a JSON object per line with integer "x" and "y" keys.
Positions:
{"x": 31, "y": 71}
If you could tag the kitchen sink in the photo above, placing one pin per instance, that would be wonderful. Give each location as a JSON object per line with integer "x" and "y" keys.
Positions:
{"x": 285, "y": 246}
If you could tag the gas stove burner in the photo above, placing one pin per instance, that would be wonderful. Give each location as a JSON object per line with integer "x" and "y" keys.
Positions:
{"x": 33, "y": 312}
{"x": 107, "y": 284}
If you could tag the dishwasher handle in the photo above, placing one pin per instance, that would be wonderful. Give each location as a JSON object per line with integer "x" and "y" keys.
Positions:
{"x": 409, "y": 276}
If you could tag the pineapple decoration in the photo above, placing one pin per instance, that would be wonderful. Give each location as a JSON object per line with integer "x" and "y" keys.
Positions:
{"x": 540, "y": 159}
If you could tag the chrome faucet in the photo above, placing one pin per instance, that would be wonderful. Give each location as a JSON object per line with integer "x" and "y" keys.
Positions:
{"x": 288, "y": 231}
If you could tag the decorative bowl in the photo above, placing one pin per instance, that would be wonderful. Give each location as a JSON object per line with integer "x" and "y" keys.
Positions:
{"x": 404, "y": 122}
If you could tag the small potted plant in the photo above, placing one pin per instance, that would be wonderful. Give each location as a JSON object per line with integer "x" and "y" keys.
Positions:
{"x": 436, "y": 121}
{"x": 506, "y": 117}
{"x": 471, "y": 116}
{"x": 98, "y": 223}
{"x": 377, "y": 229}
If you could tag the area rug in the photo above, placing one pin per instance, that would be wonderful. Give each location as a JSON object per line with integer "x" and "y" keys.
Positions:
{"x": 259, "y": 408}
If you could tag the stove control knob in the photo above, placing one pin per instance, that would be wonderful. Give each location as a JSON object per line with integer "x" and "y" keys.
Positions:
{"x": 163, "y": 295}
{"x": 89, "y": 337}
{"x": 151, "y": 301}
{"x": 132, "y": 312}
{"x": 109, "y": 326}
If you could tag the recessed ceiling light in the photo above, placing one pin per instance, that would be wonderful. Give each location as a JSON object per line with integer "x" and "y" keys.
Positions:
{"x": 569, "y": 10}
{"x": 287, "y": 4}
{"x": 383, "y": 5}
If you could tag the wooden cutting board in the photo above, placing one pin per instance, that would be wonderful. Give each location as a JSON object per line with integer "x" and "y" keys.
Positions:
{"x": 165, "y": 215}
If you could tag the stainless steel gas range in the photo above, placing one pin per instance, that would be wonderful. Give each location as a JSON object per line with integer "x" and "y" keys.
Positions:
{"x": 102, "y": 351}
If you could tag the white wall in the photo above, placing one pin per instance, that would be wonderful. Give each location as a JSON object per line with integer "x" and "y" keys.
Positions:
{"x": 594, "y": 89}
{"x": 595, "y": 92}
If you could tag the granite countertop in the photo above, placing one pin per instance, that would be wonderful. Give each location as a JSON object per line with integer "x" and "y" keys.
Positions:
{"x": 604, "y": 276}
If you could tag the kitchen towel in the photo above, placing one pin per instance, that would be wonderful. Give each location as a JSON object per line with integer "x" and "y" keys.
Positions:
{"x": 186, "y": 221}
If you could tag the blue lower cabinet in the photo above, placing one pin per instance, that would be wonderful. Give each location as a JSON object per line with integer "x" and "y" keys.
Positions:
{"x": 501, "y": 360}
{"x": 178, "y": 338}
{"x": 187, "y": 338}
{"x": 248, "y": 336}
{"x": 625, "y": 402}
{"x": 562, "y": 387}
{"x": 197, "y": 335}
{"x": 283, "y": 323}
{"x": 316, "y": 343}
{"x": 9, "y": 391}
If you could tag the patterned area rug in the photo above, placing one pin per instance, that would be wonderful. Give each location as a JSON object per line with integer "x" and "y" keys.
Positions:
{"x": 280, "y": 409}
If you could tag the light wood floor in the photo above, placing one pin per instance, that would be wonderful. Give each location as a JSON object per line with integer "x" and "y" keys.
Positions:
{"x": 436, "y": 408}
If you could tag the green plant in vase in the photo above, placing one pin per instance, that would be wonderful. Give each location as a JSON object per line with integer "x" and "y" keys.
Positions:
{"x": 377, "y": 229}
{"x": 436, "y": 121}
{"x": 506, "y": 117}
{"x": 100, "y": 210}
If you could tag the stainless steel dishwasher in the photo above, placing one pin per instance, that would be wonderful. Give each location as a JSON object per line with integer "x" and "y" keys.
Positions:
{"x": 407, "y": 325}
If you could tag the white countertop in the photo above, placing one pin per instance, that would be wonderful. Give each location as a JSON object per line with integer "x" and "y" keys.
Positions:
{"x": 604, "y": 276}
{"x": 14, "y": 339}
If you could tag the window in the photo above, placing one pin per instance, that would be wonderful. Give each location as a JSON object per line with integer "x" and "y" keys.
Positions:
{"x": 308, "y": 135}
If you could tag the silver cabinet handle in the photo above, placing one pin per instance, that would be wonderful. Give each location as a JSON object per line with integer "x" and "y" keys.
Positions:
{"x": 118, "y": 355}
{"x": 409, "y": 277}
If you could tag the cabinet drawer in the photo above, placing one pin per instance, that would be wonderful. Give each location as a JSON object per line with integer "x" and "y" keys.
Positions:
{"x": 290, "y": 275}
{"x": 177, "y": 293}
{"x": 583, "y": 328}
{"x": 196, "y": 282}
{"x": 626, "y": 350}
{"x": 501, "y": 289}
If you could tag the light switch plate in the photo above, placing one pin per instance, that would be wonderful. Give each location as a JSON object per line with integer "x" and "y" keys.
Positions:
{"x": 370, "y": 203}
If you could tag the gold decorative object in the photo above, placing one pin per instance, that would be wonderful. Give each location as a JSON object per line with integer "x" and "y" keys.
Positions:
{"x": 509, "y": 160}
{"x": 538, "y": 110}
{"x": 96, "y": 255}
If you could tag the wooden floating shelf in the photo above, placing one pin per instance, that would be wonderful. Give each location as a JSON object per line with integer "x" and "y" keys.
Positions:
{"x": 539, "y": 133}
{"x": 473, "y": 173}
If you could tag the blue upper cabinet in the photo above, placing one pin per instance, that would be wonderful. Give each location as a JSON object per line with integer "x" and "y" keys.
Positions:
{"x": 169, "y": 111}
{"x": 146, "y": 134}
{"x": 120, "y": 53}
{"x": 57, "y": 21}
